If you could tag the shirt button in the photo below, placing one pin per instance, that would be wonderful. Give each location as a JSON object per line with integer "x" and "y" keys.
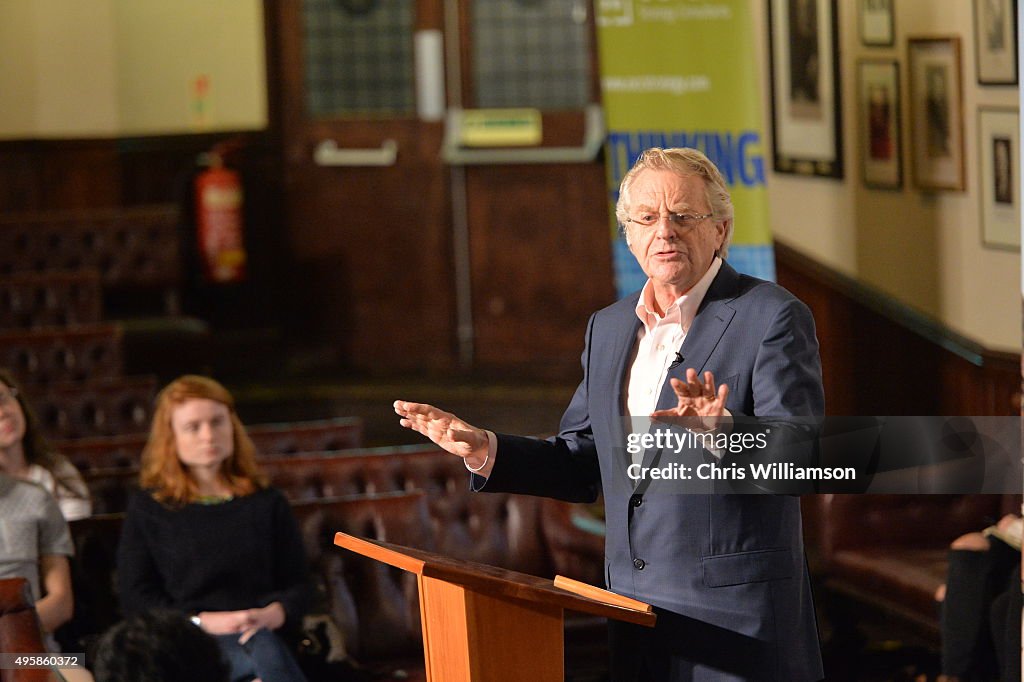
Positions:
{"x": 639, "y": 564}
{"x": 636, "y": 500}
{"x": 650, "y": 391}
{"x": 661, "y": 346}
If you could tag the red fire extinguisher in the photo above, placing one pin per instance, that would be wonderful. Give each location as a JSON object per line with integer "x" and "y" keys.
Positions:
{"x": 219, "y": 228}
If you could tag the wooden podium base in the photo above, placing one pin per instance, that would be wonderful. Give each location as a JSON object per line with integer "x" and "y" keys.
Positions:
{"x": 486, "y": 624}
{"x": 473, "y": 637}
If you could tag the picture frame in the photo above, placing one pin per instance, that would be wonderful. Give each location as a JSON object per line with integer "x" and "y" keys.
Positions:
{"x": 877, "y": 23}
{"x": 999, "y": 161}
{"x": 995, "y": 41}
{"x": 879, "y": 111}
{"x": 936, "y": 113}
{"x": 806, "y": 106}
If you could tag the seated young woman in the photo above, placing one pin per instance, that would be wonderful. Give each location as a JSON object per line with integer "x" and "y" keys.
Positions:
{"x": 26, "y": 454}
{"x": 207, "y": 537}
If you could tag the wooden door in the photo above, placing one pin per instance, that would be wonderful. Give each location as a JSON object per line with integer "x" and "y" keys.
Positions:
{"x": 442, "y": 256}
{"x": 538, "y": 224}
{"x": 361, "y": 103}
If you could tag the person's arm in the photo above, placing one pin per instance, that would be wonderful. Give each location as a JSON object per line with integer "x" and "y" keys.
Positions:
{"x": 293, "y": 593}
{"x": 564, "y": 467}
{"x": 139, "y": 584}
{"x": 57, "y": 603}
{"x": 71, "y": 491}
{"x": 787, "y": 371}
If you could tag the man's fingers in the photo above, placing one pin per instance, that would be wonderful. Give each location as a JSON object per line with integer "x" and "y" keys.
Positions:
{"x": 408, "y": 409}
{"x": 723, "y": 394}
{"x": 709, "y": 384}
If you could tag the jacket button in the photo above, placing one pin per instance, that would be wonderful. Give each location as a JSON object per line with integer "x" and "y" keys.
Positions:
{"x": 636, "y": 500}
{"x": 639, "y": 564}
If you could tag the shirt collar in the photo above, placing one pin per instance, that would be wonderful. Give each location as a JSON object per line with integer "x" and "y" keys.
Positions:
{"x": 683, "y": 309}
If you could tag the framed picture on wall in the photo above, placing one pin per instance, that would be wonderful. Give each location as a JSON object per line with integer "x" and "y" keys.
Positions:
{"x": 936, "y": 113}
{"x": 999, "y": 163}
{"x": 995, "y": 41}
{"x": 877, "y": 23}
{"x": 878, "y": 104}
{"x": 806, "y": 121}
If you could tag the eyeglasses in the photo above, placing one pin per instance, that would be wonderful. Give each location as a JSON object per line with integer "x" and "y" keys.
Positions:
{"x": 9, "y": 396}
{"x": 684, "y": 221}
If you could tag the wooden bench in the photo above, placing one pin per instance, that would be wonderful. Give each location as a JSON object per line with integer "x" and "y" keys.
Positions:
{"x": 279, "y": 438}
{"x": 103, "y": 407}
{"x": 307, "y": 436}
{"x": 132, "y": 248}
{"x": 50, "y": 299}
{"x": 51, "y": 356}
{"x": 890, "y": 552}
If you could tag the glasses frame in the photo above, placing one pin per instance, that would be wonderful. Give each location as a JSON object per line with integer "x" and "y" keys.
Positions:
{"x": 684, "y": 221}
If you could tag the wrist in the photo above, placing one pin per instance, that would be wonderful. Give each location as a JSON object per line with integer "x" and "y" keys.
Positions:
{"x": 481, "y": 460}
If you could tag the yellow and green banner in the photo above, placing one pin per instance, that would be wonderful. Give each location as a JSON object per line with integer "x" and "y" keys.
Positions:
{"x": 685, "y": 73}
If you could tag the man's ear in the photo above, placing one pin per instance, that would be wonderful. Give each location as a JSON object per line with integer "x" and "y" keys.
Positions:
{"x": 723, "y": 232}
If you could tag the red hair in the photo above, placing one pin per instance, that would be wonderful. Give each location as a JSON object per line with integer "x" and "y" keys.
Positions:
{"x": 162, "y": 471}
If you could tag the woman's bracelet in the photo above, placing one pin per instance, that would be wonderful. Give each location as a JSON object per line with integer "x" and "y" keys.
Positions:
{"x": 487, "y": 458}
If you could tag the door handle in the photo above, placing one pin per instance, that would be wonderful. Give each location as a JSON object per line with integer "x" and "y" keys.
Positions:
{"x": 328, "y": 154}
{"x": 593, "y": 140}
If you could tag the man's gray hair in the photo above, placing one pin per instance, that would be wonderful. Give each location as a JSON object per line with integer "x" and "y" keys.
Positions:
{"x": 685, "y": 162}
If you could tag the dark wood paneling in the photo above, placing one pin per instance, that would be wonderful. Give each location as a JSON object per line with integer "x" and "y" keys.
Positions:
{"x": 45, "y": 174}
{"x": 879, "y": 357}
{"x": 541, "y": 261}
{"x": 48, "y": 175}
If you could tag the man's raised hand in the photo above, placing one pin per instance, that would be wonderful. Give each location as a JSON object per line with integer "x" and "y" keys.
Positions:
{"x": 445, "y": 429}
{"x": 700, "y": 406}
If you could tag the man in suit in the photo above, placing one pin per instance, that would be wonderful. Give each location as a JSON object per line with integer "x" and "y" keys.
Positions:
{"x": 726, "y": 573}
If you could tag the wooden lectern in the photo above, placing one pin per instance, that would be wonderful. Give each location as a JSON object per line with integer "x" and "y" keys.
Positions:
{"x": 487, "y": 624}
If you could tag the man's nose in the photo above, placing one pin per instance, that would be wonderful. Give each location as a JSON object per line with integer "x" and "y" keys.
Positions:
{"x": 664, "y": 227}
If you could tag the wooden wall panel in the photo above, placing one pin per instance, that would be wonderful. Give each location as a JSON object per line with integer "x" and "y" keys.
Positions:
{"x": 541, "y": 263}
{"x": 881, "y": 358}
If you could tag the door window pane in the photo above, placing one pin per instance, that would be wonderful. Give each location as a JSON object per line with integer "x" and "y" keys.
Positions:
{"x": 531, "y": 53}
{"x": 359, "y": 58}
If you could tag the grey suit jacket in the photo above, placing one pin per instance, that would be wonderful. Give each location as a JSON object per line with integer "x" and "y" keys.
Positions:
{"x": 727, "y": 572}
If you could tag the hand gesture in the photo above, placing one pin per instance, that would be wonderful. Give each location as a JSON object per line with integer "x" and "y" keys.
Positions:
{"x": 271, "y": 617}
{"x": 700, "y": 407}
{"x": 445, "y": 429}
{"x": 246, "y": 622}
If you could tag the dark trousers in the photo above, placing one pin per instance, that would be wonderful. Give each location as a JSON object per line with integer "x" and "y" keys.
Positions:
{"x": 977, "y": 619}
{"x": 681, "y": 649}
{"x": 264, "y": 656}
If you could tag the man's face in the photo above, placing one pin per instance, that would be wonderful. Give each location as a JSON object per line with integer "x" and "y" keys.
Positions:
{"x": 675, "y": 258}
{"x": 203, "y": 433}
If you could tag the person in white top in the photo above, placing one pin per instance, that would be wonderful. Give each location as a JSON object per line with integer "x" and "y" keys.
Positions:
{"x": 26, "y": 454}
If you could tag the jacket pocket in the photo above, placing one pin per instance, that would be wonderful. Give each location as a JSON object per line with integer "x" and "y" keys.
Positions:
{"x": 747, "y": 567}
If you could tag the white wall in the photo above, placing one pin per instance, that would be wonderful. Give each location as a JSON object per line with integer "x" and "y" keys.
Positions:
{"x": 108, "y": 68}
{"x": 163, "y": 47}
{"x": 921, "y": 248}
